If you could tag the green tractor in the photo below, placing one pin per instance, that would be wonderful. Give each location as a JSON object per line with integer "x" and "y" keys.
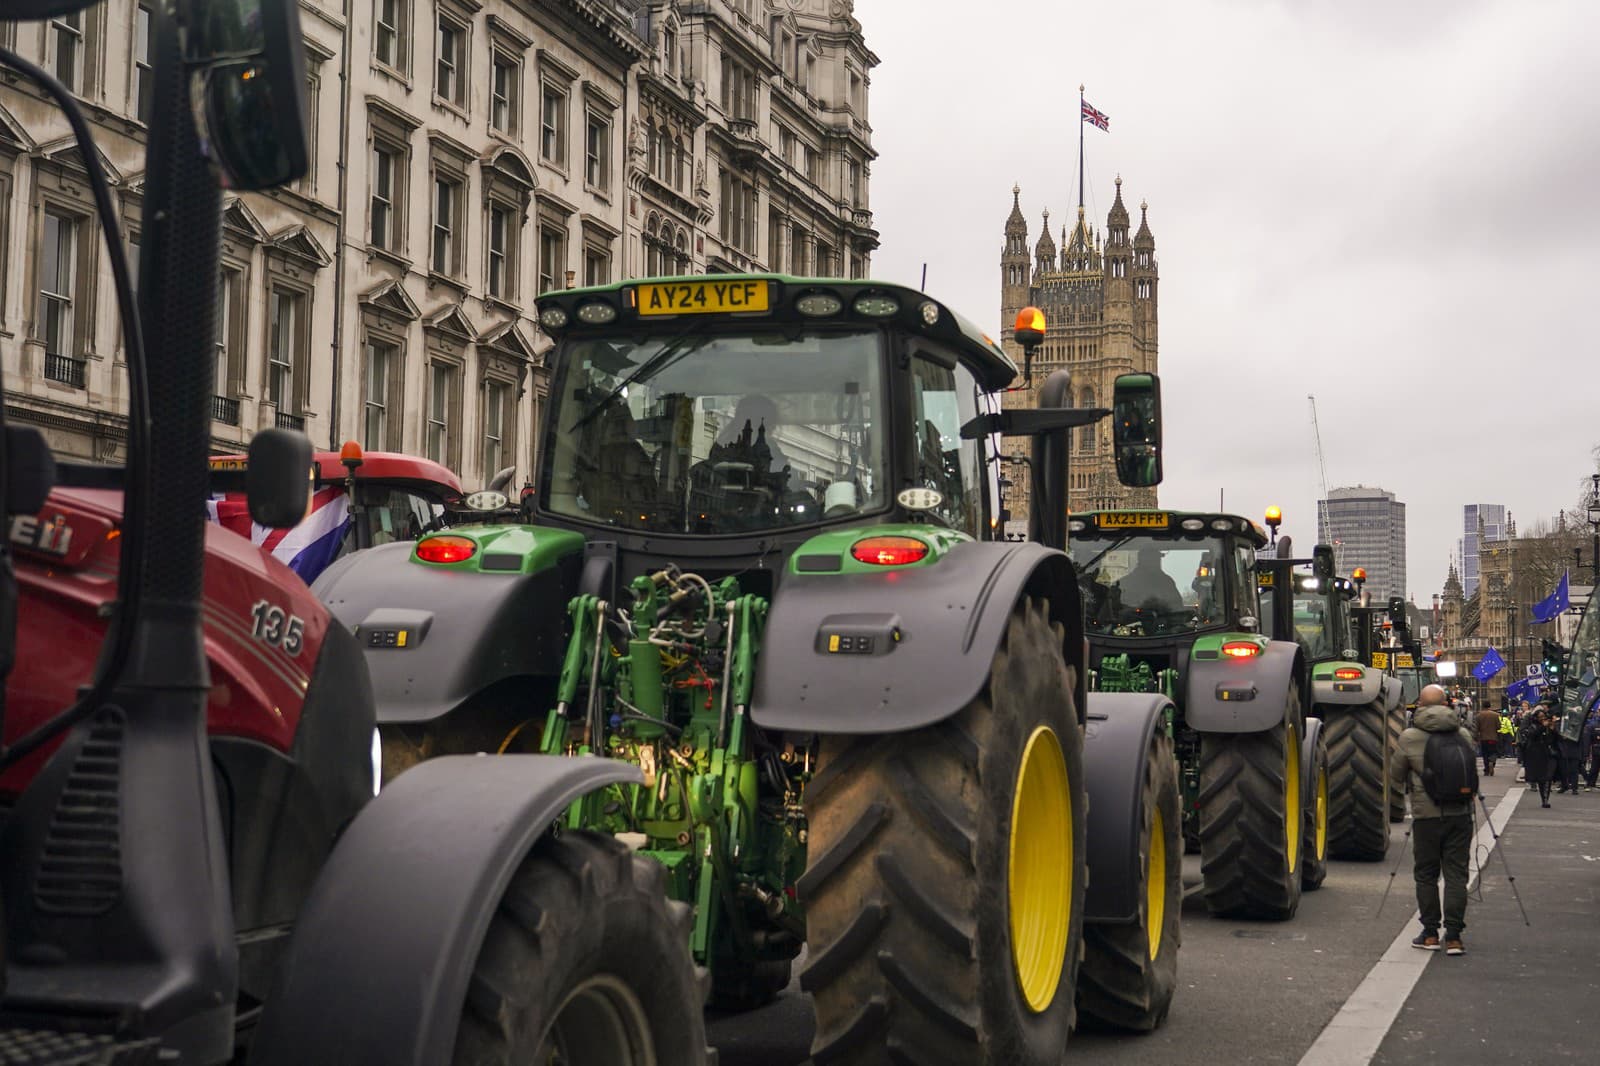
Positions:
{"x": 1358, "y": 703}
{"x": 763, "y": 566}
{"x": 1171, "y": 607}
{"x": 1383, "y": 633}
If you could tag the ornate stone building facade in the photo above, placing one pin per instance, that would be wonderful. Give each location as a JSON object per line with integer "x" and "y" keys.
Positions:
{"x": 467, "y": 155}
{"x": 1099, "y": 299}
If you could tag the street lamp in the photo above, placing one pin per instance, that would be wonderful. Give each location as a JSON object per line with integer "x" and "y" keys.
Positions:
{"x": 1594, "y": 525}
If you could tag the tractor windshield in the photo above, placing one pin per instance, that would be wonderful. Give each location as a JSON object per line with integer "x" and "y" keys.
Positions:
{"x": 1137, "y": 586}
{"x": 718, "y": 432}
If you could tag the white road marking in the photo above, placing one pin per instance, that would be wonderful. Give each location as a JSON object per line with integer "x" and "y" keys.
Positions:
{"x": 1357, "y": 1031}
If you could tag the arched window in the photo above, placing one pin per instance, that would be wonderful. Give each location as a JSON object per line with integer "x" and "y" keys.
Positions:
{"x": 1086, "y": 433}
{"x": 681, "y": 244}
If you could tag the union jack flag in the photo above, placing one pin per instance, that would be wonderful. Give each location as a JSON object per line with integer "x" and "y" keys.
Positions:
{"x": 1097, "y": 118}
{"x": 307, "y": 548}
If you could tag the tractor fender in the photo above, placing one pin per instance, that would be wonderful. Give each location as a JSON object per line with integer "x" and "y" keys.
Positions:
{"x": 1326, "y": 690}
{"x": 378, "y": 967}
{"x": 1241, "y": 695}
{"x": 1117, "y": 750}
{"x": 1308, "y": 772}
{"x": 915, "y": 643}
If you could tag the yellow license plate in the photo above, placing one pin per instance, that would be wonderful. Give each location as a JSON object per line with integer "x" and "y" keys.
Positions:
{"x": 703, "y": 297}
{"x": 1265, "y": 579}
{"x": 1380, "y": 660}
{"x": 1404, "y": 662}
{"x": 1133, "y": 520}
{"x": 228, "y": 464}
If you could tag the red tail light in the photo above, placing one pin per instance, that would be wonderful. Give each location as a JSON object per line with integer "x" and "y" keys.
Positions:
{"x": 445, "y": 549}
{"x": 1347, "y": 673}
{"x": 889, "y": 551}
{"x": 1241, "y": 649}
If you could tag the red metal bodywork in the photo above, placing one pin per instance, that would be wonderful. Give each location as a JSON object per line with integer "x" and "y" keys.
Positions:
{"x": 67, "y": 562}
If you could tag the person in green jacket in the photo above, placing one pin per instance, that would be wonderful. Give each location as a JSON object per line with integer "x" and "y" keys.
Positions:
{"x": 1442, "y": 835}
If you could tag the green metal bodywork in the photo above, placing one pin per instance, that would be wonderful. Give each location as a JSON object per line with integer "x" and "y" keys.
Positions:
{"x": 538, "y": 547}
{"x": 835, "y": 544}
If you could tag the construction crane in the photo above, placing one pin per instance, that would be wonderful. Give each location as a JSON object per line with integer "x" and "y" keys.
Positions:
{"x": 1322, "y": 470}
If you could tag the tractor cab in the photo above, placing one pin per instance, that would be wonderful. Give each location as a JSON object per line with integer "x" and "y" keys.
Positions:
{"x": 1165, "y": 576}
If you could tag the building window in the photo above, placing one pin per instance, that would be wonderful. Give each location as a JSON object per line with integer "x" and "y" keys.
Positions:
{"x": 786, "y": 143}
{"x": 774, "y": 241}
{"x": 503, "y": 234}
{"x": 387, "y": 199}
{"x": 447, "y": 238}
{"x": 596, "y": 266}
{"x": 852, "y": 177}
{"x": 738, "y": 211}
{"x": 553, "y": 126}
{"x": 391, "y": 45}
{"x": 738, "y": 89}
{"x": 227, "y": 347}
{"x": 798, "y": 247}
{"x": 813, "y": 163}
{"x": 58, "y": 280}
{"x": 283, "y": 348}
{"x": 597, "y": 152}
{"x": 450, "y": 82}
{"x": 552, "y": 258}
{"x": 307, "y": 182}
{"x": 495, "y": 395}
{"x": 441, "y": 403}
{"x": 825, "y": 265}
{"x": 503, "y": 94}
{"x": 382, "y": 363}
{"x": 143, "y": 85}
{"x": 65, "y": 36}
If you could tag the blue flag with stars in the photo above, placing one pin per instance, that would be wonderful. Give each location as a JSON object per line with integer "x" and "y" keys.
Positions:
{"x": 1553, "y": 604}
{"x": 1490, "y": 665}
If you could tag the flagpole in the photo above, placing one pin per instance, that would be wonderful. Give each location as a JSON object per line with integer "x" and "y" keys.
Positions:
{"x": 1080, "y": 147}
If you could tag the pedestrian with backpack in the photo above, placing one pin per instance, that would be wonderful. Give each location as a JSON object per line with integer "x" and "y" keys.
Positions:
{"x": 1437, "y": 766}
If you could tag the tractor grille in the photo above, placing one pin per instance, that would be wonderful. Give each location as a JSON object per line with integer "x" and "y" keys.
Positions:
{"x": 80, "y": 866}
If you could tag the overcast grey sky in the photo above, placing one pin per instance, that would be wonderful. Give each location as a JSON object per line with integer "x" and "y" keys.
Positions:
{"x": 1376, "y": 201}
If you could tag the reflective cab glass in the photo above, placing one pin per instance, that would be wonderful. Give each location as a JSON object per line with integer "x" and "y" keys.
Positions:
{"x": 1143, "y": 586}
{"x": 718, "y": 433}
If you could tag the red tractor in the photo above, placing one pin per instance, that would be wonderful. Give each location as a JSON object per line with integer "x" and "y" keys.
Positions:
{"x": 193, "y": 866}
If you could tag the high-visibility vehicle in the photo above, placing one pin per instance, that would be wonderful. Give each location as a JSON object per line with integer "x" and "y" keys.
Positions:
{"x": 1171, "y": 607}
{"x": 193, "y": 866}
{"x": 1303, "y": 600}
{"x": 764, "y": 567}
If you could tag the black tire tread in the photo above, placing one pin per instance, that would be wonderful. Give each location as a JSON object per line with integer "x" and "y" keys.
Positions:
{"x": 1397, "y": 798}
{"x": 1242, "y": 794}
{"x": 1358, "y": 790}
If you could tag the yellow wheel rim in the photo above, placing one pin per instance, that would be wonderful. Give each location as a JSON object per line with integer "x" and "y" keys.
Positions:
{"x": 1322, "y": 812}
{"x": 1293, "y": 815}
{"x": 1155, "y": 885}
{"x": 1040, "y": 869}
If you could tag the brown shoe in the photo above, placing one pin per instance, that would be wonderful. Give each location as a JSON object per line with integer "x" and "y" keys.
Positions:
{"x": 1426, "y": 941}
{"x": 1454, "y": 947}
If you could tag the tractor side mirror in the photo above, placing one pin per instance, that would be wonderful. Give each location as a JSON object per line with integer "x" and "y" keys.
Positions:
{"x": 1322, "y": 561}
{"x": 1136, "y": 429}
{"x": 275, "y": 477}
{"x": 248, "y": 89}
{"x": 1397, "y": 614}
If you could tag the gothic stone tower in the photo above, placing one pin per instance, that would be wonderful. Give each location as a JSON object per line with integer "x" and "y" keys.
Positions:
{"x": 1099, "y": 301}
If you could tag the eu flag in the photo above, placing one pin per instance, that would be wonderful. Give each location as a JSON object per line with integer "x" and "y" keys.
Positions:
{"x": 1490, "y": 665}
{"x": 1552, "y": 605}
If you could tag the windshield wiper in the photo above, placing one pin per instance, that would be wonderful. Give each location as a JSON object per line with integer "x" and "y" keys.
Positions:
{"x": 676, "y": 348}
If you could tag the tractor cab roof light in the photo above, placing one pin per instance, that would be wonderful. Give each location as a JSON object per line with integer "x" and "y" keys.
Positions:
{"x": 1193, "y": 525}
{"x": 889, "y": 551}
{"x": 1076, "y": 526}
{"x": 1222, "y": 525}
{"x": 874, "y": 306}
{"x": 594, "y": 313}
{"x": 930, "y": 312}
{"x": 819, "y": 304}
{"x": 552, "y": 318}
{"x": 1241, "y": 649}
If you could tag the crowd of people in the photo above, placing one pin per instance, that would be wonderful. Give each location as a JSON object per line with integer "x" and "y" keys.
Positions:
{"x": 1549, "y": 763}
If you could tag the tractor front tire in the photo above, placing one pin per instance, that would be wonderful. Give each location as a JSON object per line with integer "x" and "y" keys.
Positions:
{"x": 1252, "y": 820}
{"x": 1130, "y": 971}
{"x": 1396, "y": 721}
{"x": 1358, "y": 785}
{"x": 1314, "y": 857}
{"x": 585, "y": 961}
{"x": 944, "y": 892}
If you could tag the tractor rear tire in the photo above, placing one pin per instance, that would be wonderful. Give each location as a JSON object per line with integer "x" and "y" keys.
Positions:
{"x": 1358, "y": 783}
{"x": 915, "y": 877}
{"x": 1397, "y": 725}
{"x": 738, "y": 985}
{"x": 1252, "y": 820}
{"x": 1314, "y": 857}
{"x": 585, "y": 960}
{"x": 1130, "y": 971}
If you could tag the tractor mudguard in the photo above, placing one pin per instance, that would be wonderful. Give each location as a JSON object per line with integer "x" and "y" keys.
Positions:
{"x": 1331, "y": 691}
{"x": 378, "y": 967}
{"x": 434, "y": 637}
{"x": 1241, "y": 695}
{"x": 894, "y": 651}
{"x": 1118, "y": 746}
{"x": 1308, "y": 770}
